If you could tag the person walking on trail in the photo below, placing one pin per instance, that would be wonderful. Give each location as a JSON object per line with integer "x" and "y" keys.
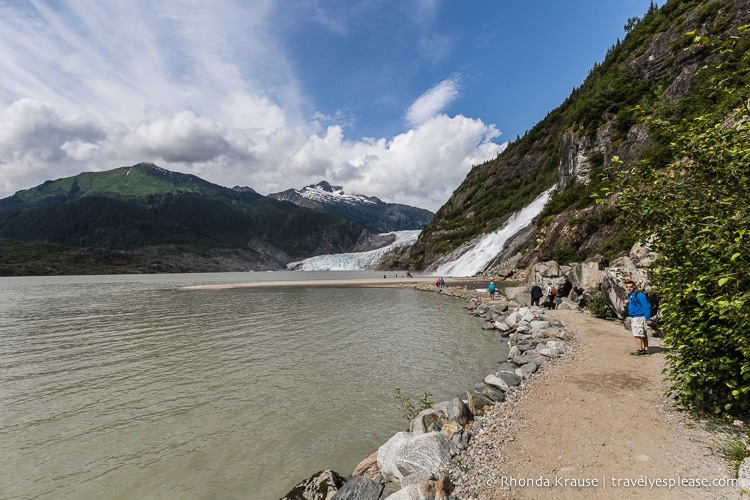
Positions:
{"x": 491, "y": 289}
{"x": 536, "y": 294}
{"x": 551, "y": 295}
{"x": 640, "y": 316}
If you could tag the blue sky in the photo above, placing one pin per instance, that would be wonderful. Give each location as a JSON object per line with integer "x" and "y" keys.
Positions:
{"x": 395, "y": 99}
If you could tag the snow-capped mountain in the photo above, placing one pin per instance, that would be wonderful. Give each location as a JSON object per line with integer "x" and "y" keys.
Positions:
{"x": 372, "y": 213}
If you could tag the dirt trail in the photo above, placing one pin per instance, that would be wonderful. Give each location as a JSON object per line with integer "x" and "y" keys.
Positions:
{"x": 602, "y": 415}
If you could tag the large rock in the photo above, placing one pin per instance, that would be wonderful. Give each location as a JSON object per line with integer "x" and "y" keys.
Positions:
{"x": 320, "y": 486}
{"x": 458, "y": 411}
{"x": 368, "y": 467}
{"x": 387, "y": 456}
{"x": 414, "y": 492}
{"x": 359, "y": 488}
{"x": 428, "y": 420}
{"x": 495, "y": 381}
{"x": 427, "y": 452}
{"x": 587, "y": 275}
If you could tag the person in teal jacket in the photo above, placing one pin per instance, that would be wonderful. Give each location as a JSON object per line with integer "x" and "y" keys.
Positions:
{"x": 640, "y": 316}
{"x": 491, "y": 289}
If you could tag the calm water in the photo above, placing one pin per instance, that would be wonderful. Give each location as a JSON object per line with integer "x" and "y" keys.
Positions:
{"x": 125, "y": 387}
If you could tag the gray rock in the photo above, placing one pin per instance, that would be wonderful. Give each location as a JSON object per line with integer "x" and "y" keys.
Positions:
{"x": 359, "y": 488}
{"x": 495, "y": 381}
{"x": 413, "y": 492}
{"x": 426, "y": 419}
{"x": 539, "y": 324}
{"x": 528, "y": 369}
{"x": 417, "y": 478}
{"x": 427, "y": 452}
{"x": 509, "y": 377}
{"x": 492, "y": 392}
{"x": 319, "y": 486}
{"x": 507, "y": 366}
{"x": 387, "y": 456}
{"x": 458, "y": 411}
{"x": 477, "y": 402}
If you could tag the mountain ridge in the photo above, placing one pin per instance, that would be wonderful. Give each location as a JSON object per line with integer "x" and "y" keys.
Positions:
{"x": 369, "y": 211}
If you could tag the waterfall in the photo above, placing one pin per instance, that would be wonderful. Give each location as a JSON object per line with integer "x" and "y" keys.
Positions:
{"x": 490, "y": 245}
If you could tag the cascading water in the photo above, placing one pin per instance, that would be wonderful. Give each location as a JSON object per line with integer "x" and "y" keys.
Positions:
{"x": 490, "y": 245}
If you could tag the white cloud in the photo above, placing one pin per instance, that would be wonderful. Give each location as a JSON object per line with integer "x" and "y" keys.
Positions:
{"x": 432, "y": 102}
{"x": 203, "y": 88}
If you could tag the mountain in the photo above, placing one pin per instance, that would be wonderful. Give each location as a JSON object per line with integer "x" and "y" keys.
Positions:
{"x": 656, "y": 70}
{"x": 168, "y": 221}
{"x": 370, "y": 212}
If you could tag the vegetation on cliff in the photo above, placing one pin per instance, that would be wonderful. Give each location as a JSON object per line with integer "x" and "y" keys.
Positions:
{"x": 696, "y": 213}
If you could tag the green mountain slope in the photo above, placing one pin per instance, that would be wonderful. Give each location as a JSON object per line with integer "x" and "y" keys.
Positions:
{"x": 657, "y": 71}
{"x": 144, "y": 206}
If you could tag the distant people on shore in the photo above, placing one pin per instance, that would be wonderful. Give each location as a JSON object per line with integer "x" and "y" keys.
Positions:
{"x": 442, "y": 283}
{"x": 491, "y": 289}
{"x": 536, "y": 294}
{"x": 551, "y": 295}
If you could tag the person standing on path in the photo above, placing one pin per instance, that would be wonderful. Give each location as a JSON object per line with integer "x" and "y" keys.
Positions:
{"x": 551, "y": 295}
{"x": 491, "y": 289}
{"x": 536, "y": 294}
{"x": 640, "y": 316}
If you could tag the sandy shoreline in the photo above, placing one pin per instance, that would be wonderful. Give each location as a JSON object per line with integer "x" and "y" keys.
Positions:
{"x": 365, "y": 282}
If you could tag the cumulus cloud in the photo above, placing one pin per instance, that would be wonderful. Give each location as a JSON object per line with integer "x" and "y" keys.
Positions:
{"x": 432, "y": 102}
{"x": 216, "y": 98}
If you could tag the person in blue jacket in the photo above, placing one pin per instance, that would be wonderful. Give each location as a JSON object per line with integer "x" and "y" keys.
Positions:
{"x": 491, "y": 289}
{"x": 640, "y": 314}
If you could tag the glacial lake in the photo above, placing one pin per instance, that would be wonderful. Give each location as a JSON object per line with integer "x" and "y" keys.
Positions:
{"x": 127, "y": 387}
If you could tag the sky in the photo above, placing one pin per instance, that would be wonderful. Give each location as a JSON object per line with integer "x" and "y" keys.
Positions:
{"x": 390, "y": 98}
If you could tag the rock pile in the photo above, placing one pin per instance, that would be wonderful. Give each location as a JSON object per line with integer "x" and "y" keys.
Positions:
{"x": 424, "y": 463}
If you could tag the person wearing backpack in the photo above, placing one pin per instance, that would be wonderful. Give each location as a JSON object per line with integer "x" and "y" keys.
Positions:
{"x": 639, "y": 311}
{"x": 551, "y": 294}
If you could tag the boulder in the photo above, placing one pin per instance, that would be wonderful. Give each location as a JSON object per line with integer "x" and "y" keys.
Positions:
{"x": 477, "y": 402}
{"x": 427, "y": 452}
{"x": 586, "y": 275}
{"x": 510, "y": 378}
{"x": 368, "y": 467}
{"x": 642, "y": 255}
{"x": 387, "y": 456}
{"x": 414, "y": 492}
{"x": 417, "y": 478}
{"x": 495, "y": 381}
{"x": 458, "y": 411}
{"x": 319, "y": 486}
{"x": 359, "y": 488}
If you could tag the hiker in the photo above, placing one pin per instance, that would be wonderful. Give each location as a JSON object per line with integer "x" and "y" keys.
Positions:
{"x": 491, "y": 289}
{"x": 640, "y": 316}
{"x": 442, "y": 283}
{"x": 551, "y": 294}
{"x": 536, "y": 294}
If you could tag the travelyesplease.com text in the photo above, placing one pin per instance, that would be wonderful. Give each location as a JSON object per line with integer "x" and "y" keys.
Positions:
{"x": 609, "y": 482}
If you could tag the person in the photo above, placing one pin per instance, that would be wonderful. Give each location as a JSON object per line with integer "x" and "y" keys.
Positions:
{"x": 640, "y": 316}
{"x": 536, "y": 294}
{"x": 437, "y": 282}
{"x": 491, "y": 289}
{"x": 551, "y": 294}
{"x": 442, "y": 283}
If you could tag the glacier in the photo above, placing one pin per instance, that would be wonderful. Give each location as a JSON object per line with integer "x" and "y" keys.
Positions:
{"x": 490, "y": 245}
{"x": 355, "y": 261}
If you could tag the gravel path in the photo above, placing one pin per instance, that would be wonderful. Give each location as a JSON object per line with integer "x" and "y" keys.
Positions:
{"x": 598, "y": 419}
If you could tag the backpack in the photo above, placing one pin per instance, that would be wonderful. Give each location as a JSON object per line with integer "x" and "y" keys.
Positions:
{"x": 653, "y": 303}
{"x": 553, "y": 291}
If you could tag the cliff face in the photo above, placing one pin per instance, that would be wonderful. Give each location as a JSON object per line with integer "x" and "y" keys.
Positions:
{"x": 653, "y": 70}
